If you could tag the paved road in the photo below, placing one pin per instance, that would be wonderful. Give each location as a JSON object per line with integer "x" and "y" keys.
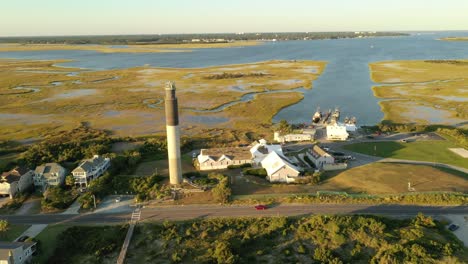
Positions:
{"x": 190, "y": 212}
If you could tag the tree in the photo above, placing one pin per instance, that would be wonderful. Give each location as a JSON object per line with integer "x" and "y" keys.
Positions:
{"x": 284, "y": 127}
{"x": 221, "y": 192}
{"x": 70, "y": 181}
{"x": 4, "y": 226}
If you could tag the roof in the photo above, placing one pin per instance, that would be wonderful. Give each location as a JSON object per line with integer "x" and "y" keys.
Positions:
{"x": 274, "y": 162}
{"x": 14, "y": 174}
{"x": 7, "y": 247}
{"x": 88, "y": 164}
{"x": 217, "y": 154}
{"x": 319, "y": 152}
{"x": 263, "y": 149}
{"x": 49, "y": 169}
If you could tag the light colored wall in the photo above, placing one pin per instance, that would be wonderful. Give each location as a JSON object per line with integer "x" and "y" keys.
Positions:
{"x": 215, "y": 165}
{"x": 173, "y": 149}
{"x": 283, "y": 175}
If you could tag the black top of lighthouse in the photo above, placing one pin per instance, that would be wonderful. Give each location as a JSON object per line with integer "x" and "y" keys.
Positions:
{"x": 172, "y": 113}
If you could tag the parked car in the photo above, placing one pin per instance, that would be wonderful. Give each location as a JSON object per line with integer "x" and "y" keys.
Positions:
{"x": 261, "y": 207}
{"x": 453, "y": 227}
{"x": 22, "y": 238}
{"x": 118, "y": 199}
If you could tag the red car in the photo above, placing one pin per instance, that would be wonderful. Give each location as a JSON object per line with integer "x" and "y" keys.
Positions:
{"x": 261, "y": 207}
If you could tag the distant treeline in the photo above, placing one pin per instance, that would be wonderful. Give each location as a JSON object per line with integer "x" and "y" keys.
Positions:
{"x": 188, "y": 38}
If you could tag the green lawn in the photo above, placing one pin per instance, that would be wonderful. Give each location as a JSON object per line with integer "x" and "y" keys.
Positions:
{"x": 432, "y": 151}
{"x": 14, "y": 232}
{"x": 48, "y": 242}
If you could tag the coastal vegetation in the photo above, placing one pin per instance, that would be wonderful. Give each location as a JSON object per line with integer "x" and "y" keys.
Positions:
{"x": 425, "y": 92}
{"x": 309, "y": 239}
{"x": 38, "y": 97}
{"x": 133, "y": 48}
{"x": 455, "y": 39}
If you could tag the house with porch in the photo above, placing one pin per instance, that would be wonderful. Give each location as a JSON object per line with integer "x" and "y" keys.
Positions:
{"x": 90, "y": 169}
{"x": 49, "y": 174}
{"x": 17, "y": 180}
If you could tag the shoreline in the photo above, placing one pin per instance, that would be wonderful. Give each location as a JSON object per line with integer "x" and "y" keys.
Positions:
{"x": 133, "y": 48}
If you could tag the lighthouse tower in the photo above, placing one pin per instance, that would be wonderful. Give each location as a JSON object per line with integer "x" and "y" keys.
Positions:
{"x": 173, "y": 134}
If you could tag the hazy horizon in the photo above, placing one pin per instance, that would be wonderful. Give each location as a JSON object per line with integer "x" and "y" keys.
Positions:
{"x": 146, "y": 17}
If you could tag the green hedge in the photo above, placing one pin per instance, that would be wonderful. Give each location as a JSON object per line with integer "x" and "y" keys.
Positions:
{"x": 260, "y": 172}
{"x": 240, "y": 166}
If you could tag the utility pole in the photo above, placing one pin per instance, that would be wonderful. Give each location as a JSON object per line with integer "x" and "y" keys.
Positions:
{"x": 94, "y": 199}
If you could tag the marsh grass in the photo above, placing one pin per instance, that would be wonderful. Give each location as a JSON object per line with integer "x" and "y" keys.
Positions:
{"x": 439, "y": 87}
{"x": 119, "y": 99}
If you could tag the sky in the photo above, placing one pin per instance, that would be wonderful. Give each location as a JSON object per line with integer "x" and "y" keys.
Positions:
{"x": 107, "y": 17}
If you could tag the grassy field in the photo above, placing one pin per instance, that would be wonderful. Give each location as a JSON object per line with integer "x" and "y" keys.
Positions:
{"x": 47, "y": 242}
{"x": 129, "y": 49}
{"x": 431, "y": 91}
{"x": 375, "y": 178}
{"x": 13, "y": 232}
{"x": 37, "y": 97}
{"x": 432, "y": 151}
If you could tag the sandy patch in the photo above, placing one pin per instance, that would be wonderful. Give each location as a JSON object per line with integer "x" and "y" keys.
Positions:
{"x": 460, "y": 151}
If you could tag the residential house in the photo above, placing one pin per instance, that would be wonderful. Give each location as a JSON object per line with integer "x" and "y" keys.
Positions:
{"x": 49, "y": 174}
{"x": 90, "y": 169}
{"x": 337, "y": 131}
{"x": 279, "y": 168}
{"x": 221, "y": 158}
{"x": 319, "y": 157}
{"x": 261, "y": 149}
{"x": 16, "y": 252}
{"x": 17, "y": 180}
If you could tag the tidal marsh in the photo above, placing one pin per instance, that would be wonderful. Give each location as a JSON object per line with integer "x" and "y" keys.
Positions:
{"x": 37, "y": 96}
{"x": 430, "y": 91}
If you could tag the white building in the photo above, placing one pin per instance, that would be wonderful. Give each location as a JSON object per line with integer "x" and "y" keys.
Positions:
{"x": 279, "y": 169}
{"x": 292, "y": 137}
{"x": 90, "y": 169}
{"x": 221, "y": 158}
{"x": 16, "y": 252}
{"x": 319, "y": 157}
{"x": 261, "y": 149}
{"x": 337, "y": 131}
{"x": 49, "y": 174}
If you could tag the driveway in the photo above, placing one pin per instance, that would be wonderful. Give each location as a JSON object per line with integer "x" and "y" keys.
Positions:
{"x": 33, "y": 231}
{"x": 109, "y": 204}
{"x": 462, "y": 222}
{"x": 29, "y": 206}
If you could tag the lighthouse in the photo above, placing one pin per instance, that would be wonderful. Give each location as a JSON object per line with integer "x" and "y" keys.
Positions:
{"x": 173, "y": 134}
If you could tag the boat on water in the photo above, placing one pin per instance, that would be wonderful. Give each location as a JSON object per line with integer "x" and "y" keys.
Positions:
{"x": 317, "y": 116}
{"x": 335, "y": 116}
{"x": 327, "y": 116}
